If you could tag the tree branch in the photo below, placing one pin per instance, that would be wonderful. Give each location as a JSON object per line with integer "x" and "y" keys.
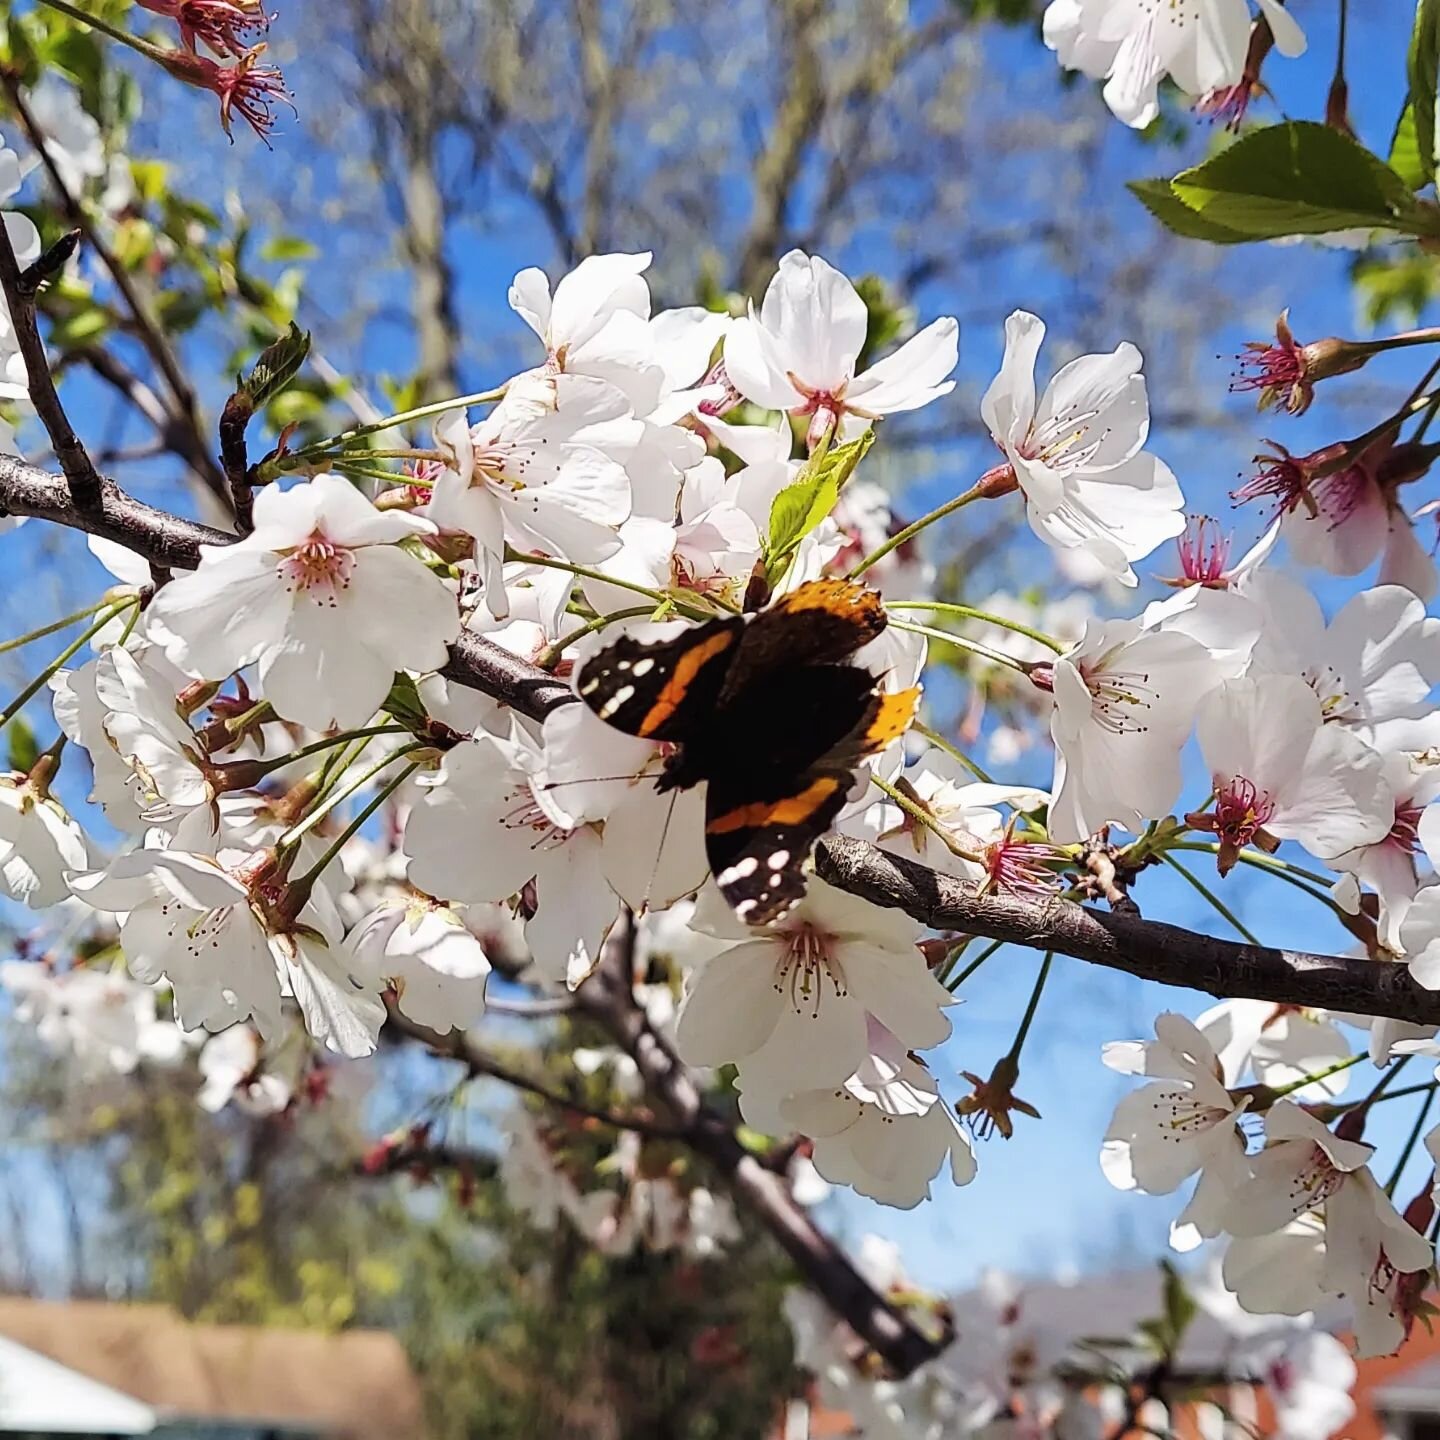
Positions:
{"x": 185, "y": 416}
{"x": 1147, "y": 948}
{"x": 81, "y": 475}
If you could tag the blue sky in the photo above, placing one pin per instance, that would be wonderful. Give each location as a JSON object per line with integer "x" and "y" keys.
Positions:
{"x": 1040, "y": 1202}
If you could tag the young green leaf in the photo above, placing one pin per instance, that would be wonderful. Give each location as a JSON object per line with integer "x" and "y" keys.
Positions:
{"x": 800, "y": 507}
{"x": 1159, "y": 198}
{"x": 1422, "y": 65}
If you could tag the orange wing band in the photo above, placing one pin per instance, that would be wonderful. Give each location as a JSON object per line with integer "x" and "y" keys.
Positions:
{"x": 686, "y": 669}
{"x": 792, "y": 810}
{"x": 891, "y": 720}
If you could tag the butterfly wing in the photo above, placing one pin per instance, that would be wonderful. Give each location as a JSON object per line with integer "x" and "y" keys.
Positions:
{"x": 658, "y": 689}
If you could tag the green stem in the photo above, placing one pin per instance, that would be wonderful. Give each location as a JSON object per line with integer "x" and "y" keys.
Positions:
{"x": 303, "y": 827}
{"x": 328, "y": 743}
{"x": 949, "y": 637}
{"x": 1254, "y": 857}
{"x": 308, "y": 879}
{"x": 953, "y": 985}
{"x": 551, "y": 654}
{"x": 404, "y": 417}
{"x": 922, "y": 816}
{"x": 1280, "y": 1091}
{"x": 938, "y": 740}
{"x": 41, "y": 680}
{"x": 1415, "y": 1132}
{"x": 693, "y": 612}
{"x": 21, "y": 640}
{"x": 1031, "y": 1008}
{"x": 1219, "y": 905}
{"x": 911, "y": 531}
{"x": 298, "y": 459}
{"x": 969, "y": 612}
{"x": 144, "y": 47}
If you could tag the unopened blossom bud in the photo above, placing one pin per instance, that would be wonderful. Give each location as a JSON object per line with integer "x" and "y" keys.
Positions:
{"x": 1286, "y": 372}
{"x": 1421, "y": 1211}
{"x": 728, "y": 398}
{"x": 246, "y": 88}
{"x": 1401, "y": 464}
{"x": 989, "y": 1105}
{"x": 997, "y": 481}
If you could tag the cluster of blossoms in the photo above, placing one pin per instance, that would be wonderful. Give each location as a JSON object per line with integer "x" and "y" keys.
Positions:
{"x": 246, "y": 721}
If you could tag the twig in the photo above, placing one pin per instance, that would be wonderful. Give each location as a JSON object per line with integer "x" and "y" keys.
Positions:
{"x": 19, "y": 288}
{"x": 185, "y": 415}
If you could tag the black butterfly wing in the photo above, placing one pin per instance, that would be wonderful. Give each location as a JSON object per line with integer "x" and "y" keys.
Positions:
{"x": 819, "y": 623}
{"x": 772, "y": 795}
{"x": 659, "y": 689}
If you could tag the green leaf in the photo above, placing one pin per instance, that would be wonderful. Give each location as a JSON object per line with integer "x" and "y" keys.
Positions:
{"x": 1422, "y": 66}
{"x": 288, "y": 247}
{"x": 24, "y": 752}
{"x": 277, "y": 366}
{"x": 1180, "y": 1306}
{"x": 800, "y": 507}
{"x": 1405, "y": 158}
{"x": 1159, "y": 198}
{"x": 1300, "y": 178}
{"x": 77, "y": 328}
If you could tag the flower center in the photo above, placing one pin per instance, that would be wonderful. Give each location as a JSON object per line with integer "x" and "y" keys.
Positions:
{"x": 805, "y": 968}
{"x": 1317, "y": 1179}
{"x": 526, "y": 814}
{"x": 1204, "y": 552}
{"x": 1405, "y": 832}
{"x": 1182, "y": 1117}
{"x": 1064, "y": 441}
{"x": 1241, "y": 808}
{"x": 1119, "y": 698}
{"x": 499, "y": 464}
{"x": 318, "y": 569}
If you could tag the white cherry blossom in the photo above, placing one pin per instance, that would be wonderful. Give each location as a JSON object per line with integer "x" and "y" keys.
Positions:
{"x": 39, "y": 843}
{"x": 790, "y": 1002}
{"x": 320, "y": 595}
{"x": 799, "y": 353}
{"x": 423, "y": 951}
{"x": 1279, "y": 772}
{"x": 1134, "y": 44}
{"x": 1077, "y": 452}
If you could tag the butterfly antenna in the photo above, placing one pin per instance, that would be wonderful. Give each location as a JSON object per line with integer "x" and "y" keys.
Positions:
{"x": 660, "y": 850}
{"x": 592, "y": 780}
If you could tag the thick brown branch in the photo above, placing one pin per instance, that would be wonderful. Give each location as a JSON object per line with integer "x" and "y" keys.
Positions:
{"x": 608, "y": 997}
{"x": 1147, "y": 948}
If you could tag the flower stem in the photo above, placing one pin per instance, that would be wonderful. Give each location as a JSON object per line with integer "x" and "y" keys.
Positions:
{"x": 403, "y": 417}
{"x": 912, "y": 530}
{"x": 936, "y": 739}
{"x": 22, "y": 640}
{"x": 144, "y": 47}
{"x": 960, "y": 642}
{"x": 1258, "y": 859}
{"x": 1410, "y": 1143}
{"x": 307, "y": 880}
{"x": 1031, "y": 1008}
{"x": 328, "y": 743}
{"x": 303, "y": 827}
{"x": 551, "y": 654}
{"x": 969, "y": 612}
{"x": 41, "y": 680}
{"x": 923, "y": 817}
{"x": 1216, "y": 902}
{"x": 660, "y": 597}
{"x": 1280, "y": 1091}
{"x": 953, "y": 985}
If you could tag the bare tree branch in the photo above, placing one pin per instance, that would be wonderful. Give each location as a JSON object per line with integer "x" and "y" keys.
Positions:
{"x": 182, "y": 428}
{"x": 81, "y": 476}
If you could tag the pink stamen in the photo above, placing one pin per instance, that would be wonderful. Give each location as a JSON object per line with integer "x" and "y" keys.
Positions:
{"x": 318, "y": 569}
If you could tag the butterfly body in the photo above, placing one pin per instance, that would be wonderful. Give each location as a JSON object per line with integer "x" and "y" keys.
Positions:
{"x": 766, "y": 712}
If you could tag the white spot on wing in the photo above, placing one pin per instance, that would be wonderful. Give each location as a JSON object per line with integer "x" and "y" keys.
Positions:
{"x": 779, "y": 860}
{"x": 615, "y": 701}
{"x": 643, "y": 667}
{"x": 740, "y": 870}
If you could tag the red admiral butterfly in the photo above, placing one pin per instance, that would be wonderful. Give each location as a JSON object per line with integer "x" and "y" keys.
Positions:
{"x": 766, "y": 711}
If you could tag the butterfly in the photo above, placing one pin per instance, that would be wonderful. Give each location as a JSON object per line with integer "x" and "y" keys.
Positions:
{"x": 767, "y": 712}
